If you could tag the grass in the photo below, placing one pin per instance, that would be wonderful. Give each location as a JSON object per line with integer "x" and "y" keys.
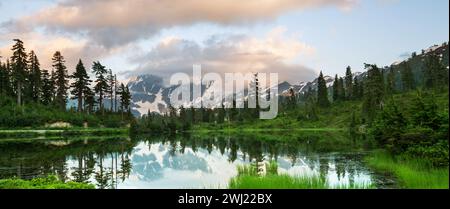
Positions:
{"x": 284, "y": 181}
{"x": 411, "y": 173}
{"x": 50, "y": 182}
{"x": 249, "y": 179}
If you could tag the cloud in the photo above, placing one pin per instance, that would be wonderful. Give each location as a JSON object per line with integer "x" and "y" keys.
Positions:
{"x": 228, "y": 53}
{"x": 112, "y": 23}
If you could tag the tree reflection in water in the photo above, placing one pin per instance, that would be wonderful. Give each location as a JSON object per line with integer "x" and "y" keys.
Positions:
{"x": 107, "y": 162}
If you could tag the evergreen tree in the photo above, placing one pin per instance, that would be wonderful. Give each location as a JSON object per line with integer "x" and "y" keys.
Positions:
{"x": 53, "y": 80}
{"x": 61, "y": 80}
{"x": 435, "y": 74}
{"x": 407, "y": 77}
{"x": 125, "y": 98}
{"x": 292, "y": 100}
{"x": 257, "y": 94}
{"x": 115, "y": 93}
{"x": 361, "y": 89}
{"x": 89, "y": 100}
{"x": 111, "y": 82}
{"x": 390, "y": 81}
{"x": 431, "y": 67}
{"x": 101, "y": 84}
{"x": 35, "y": 82}
{"x": 336, "y": 88}
{"x": 81, "y": 82}
{"x": 128, "y": 99}
{"x": 341, "y": 89}
{"x": 349, "y": 83}
{"x": 48, "y": 89}
{"x": 357, "y": 89}
{"x": 425, "y": 111}
{"x": 5, "y": 78}
{"x": 19, "y": 69}
{"x": 374, "y": 91}
{"x": 322, "y": 92}
{"x": 389, "y": 126}
{"x": 311, "y": 109}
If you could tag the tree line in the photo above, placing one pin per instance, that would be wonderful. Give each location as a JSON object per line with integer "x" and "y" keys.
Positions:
{"x": 22, "y": 78}
{"x": 414, "y": 127}
{"x": 379, "y": 83}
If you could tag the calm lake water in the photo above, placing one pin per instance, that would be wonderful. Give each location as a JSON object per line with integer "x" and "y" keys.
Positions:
{"x": 185, "y": 161}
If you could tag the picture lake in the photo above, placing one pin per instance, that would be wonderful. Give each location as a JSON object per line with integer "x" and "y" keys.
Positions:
{"x": 203, "y": 161}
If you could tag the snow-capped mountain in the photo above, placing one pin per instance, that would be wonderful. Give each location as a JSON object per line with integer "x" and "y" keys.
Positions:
{"x": 150, "y": 93}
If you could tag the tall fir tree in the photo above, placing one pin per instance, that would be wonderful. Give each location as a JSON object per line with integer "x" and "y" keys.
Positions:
{"x": 373, "y": 92}
{"x": 336, "y": 88}
{"x": 407, "y": 77}
{"x": 19, "y": 69}
{"x": 292, "y": 99}
{"x": 5, "y": 79}
{"x": 349, "y": 83}
{"x": 115, "y": 93}
{"x": 357, "y": 89}
{"x": 53, "y": 80}
{"x": 80, "y": 84}
{"x": 35, "y": 82}
{"x": 341, "y": 89}
{"x": 390, "y": 81}
{"x": 435, "y": 73}
{"x": 110, "y": 78}
{"x": 61, "y": 80}
{"x": 125, "y": 98}
{"x": 89, "y": 100}
{"x": 429, "y": 74}
{"x": 322, "y": 92}
{"x": 48, "y": 89}
{"x": 101, "y": 83}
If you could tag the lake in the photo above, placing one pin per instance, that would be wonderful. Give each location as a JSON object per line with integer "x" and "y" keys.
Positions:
{"x": 204, "y": 161}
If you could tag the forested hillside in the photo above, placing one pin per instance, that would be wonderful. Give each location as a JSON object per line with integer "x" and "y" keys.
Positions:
{"x": 35, "y": 97}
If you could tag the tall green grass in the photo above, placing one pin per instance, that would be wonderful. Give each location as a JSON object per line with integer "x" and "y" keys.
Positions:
{"x": 411, "y": 173}
{"x": 284, "y": 181}
{"x": 248, "y": 178}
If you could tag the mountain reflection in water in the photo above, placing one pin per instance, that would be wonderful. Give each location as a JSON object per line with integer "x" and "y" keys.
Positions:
{"x": 182, "y": 161}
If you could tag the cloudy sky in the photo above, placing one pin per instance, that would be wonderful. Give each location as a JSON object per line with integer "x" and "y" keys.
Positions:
{"x": 297, "y": 38}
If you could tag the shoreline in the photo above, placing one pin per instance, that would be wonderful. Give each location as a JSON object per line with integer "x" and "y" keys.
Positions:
{"x": 26, "y": 133}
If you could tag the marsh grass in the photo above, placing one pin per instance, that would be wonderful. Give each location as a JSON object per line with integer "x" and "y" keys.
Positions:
{"x": 248, "y": 178}
{"x": 284, "y": 181}
{"x": 411, "y": 173}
